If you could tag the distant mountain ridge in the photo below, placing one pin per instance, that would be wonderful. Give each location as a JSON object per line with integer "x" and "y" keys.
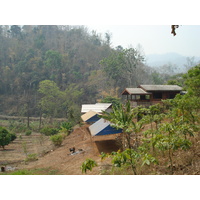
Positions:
{"x": 157, "y": 60}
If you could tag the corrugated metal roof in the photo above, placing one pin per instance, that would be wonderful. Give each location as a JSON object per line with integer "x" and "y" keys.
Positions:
{"x": 98, "y": 107}
{"x": 134, "y": 91}
{"x": 109, "y": 130}
{"x": 161, "y": 87}
{"x": 102, "y": 127}
{"x": 102, "y": 103}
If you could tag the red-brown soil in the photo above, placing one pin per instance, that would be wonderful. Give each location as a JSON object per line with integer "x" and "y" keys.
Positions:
{"x": 60, "y": 159}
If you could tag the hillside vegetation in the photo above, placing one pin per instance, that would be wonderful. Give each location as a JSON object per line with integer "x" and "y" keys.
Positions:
{"x": 81, "y": 66}
{"x": 160, "y": 139}
{"x": 164, "y": 141}
{"x": 47, "y": 72}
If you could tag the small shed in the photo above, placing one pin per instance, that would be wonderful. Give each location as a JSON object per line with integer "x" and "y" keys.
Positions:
{"x": 103, "y": 127}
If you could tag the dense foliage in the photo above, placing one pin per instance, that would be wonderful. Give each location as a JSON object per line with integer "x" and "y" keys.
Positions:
{"x": 57, "y": 139}
{"x": 51, "y": 70}
{"x": 172, "y": 129}
{"x": 6, "y": 137}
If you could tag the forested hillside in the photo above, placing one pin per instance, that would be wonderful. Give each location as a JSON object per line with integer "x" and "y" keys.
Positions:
{"x": 47, "y": 72}
{"x": 52, "y": 70}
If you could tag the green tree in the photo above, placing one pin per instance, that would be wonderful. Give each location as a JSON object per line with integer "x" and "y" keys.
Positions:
{"x": 176, "y": 80}
{"x": 185, "y": 109}
{"x": 15, "y": 31}
{"x": 57, "y": 139}
{"x": 53, "y": 62}
{"x": 72, "y": 99}
{"x": 5, "y": 137}
{"x": 157, "y": 78}
{"x": 52, "y": 97}
{"x": 183, "y": 123}
{"x": 153, "y": 114}
{"x": 66, "y": 128}
{"x": 108, "y": 38}
{"x": 192, "y": 81}
{"x": 170, "y": 139}
{"x": 109, "y": 99}
{"x": 130, "y": 158}
{"x": 13, "y": 136}
{"x": 122, "y": 66}
{"x": 122, "y": 118}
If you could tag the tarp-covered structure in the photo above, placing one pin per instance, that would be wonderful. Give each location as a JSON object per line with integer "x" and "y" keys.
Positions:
{"x": 90, "y": 117}
{"x": 103, "y": 127}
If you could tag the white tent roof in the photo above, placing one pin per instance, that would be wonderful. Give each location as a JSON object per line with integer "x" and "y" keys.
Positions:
{"x": 88, "y": 115}
{"x": 98, "y": 107}
{"x": 98, "y": 126}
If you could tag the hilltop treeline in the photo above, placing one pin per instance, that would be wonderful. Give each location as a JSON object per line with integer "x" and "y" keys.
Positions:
{"x": 80, "y": 63}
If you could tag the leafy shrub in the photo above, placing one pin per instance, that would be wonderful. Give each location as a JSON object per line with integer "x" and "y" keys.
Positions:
{"x": 5, "y": 137}
{"x": 49, "y": 131}
{"x": 21, "y": 172}
{"x": 66, "y": 128}
{"x": 28, "y": 132}
{"x": 64, "y": 131}
{"x": 17, "y": 127}
{"x": 130, "y": 158}
{"x": 88, "y": 164}
{"x": 13, "y": 136}
{"x": 57, "y": 139}
{"x": 11, "y": 124}
{"x": 34, "y": 126}
{"x": 31, "y": 157}
{"x": 67, "y": 125}
{"x": 21, "y": 127}
{"x": 64, "y": 135}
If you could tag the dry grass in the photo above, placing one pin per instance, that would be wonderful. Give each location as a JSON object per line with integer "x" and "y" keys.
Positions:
{"x": 60, "y": 160}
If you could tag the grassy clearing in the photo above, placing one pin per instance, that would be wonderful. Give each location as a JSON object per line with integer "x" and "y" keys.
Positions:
{"x": 40, "y": 171}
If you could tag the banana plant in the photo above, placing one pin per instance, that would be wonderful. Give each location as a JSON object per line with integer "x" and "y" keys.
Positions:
{"x": 122, "y": 117}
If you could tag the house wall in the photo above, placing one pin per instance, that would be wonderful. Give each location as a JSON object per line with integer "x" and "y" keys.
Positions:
{"x": 152, "y": 100}
{"x": 165, "y": 95}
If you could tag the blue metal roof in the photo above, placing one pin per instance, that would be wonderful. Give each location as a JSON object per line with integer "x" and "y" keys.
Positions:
{"x": 109, "y": 130}
{"x": 103, "y": 127}
{"x": 93, "y": 118}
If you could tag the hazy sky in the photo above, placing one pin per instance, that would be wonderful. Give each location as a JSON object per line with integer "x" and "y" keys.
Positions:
{"x": 154, "y": 39}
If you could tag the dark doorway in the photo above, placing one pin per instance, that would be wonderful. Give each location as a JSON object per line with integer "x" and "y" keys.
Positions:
{"x": 106, "y": 146}
{"x": 157, "y": 95}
